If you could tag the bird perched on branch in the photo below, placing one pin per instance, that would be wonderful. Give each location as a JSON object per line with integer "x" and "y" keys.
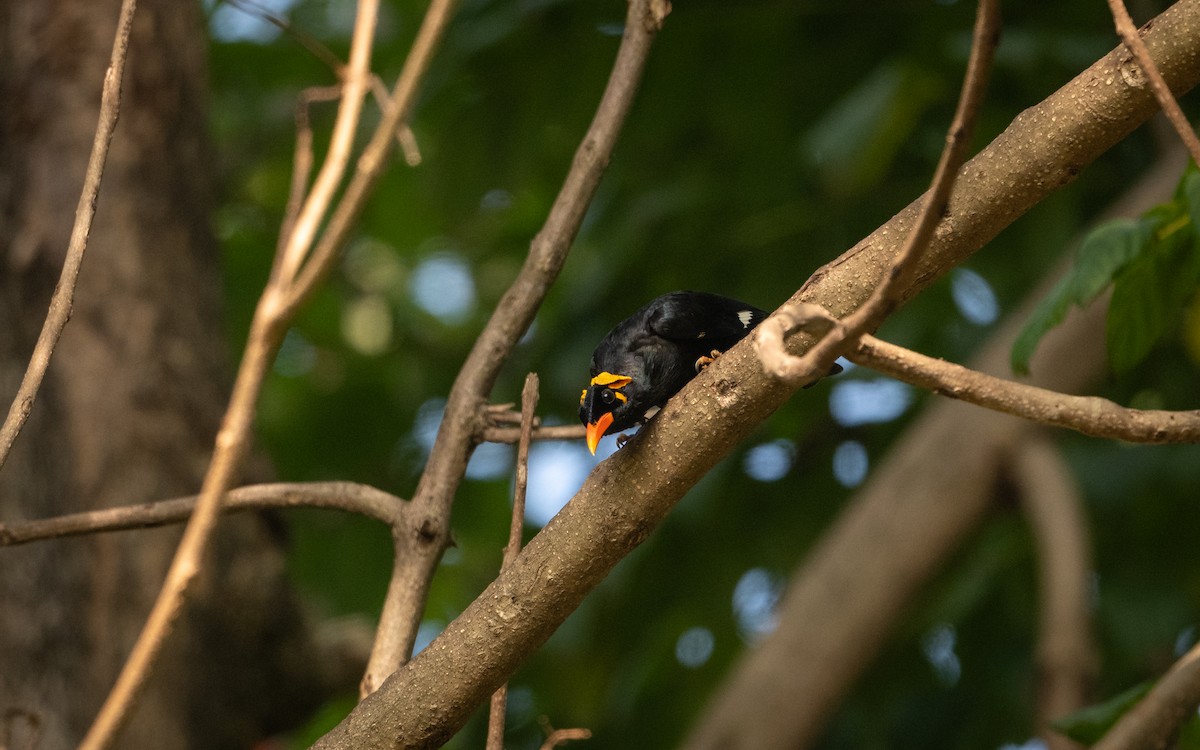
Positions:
{"x": 653, "y": 353}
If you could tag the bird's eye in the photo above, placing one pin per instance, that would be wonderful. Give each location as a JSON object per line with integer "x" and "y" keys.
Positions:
{"x": 606, "y": 396}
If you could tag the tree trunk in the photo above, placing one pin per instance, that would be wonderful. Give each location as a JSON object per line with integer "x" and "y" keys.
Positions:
{"x": 133, "y": 396}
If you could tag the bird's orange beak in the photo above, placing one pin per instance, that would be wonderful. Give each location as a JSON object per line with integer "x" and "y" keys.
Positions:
{"x": 596, "y": 430}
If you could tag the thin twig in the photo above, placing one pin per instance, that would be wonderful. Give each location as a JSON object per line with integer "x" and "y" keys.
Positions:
{"x": 886, "y": 296}
{"x": 563, "y": 736}
{"x": 231, "y": 444}
{"x": 1066, "y": 658}
{"x": 529, "y": 400}
{"x": 271, "y": 318}
{"x": 371, "y": 163}
{"x": 302, "y": 160}
{"x": 303, "y": 38}
{"x": 1162, "y": 92}
{"x": 345, "y": 496}
{"x": 64, "y": 292}
{"x": 551, "y": 432}
{"x": 1156, "y": 719}
{"x": 1090, "y": 415}
{"x": 459, "y": 430}
{"x": 355, "y": 85}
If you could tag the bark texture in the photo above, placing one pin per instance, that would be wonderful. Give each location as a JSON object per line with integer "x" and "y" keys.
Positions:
{"x": 133, "y": 396}
{"x": 847, "y": 597}
{"x": 625, "y": 498}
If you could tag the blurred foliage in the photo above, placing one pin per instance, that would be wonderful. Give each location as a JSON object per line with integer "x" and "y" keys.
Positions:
{"x": 767, "y": 138}
{"x": 1089, "y": 725}
{"x": 1153, "y": 267}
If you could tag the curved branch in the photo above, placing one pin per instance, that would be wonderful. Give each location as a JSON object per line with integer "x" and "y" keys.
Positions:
{"x": 350, "y": 497}
{"x": 64, "y": 292}
{"x": 1157, "y": 717}
{"x": 885, "y": 297}
{"x": 1090, "y": 415}
{"x": 629, "y": 494}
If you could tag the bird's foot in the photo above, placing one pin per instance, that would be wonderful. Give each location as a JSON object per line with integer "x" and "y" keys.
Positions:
{"x": 622, "y": 439}
{"x": 705, "y": 361}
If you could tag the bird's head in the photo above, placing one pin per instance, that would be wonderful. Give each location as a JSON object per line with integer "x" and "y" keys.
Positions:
{"x": 604, "y": 402}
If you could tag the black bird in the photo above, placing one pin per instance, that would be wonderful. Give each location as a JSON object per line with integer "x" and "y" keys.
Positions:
{"x": 653, "y": 353}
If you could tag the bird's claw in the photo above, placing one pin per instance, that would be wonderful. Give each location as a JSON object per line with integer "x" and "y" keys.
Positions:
{"x": 622, "y": 439}
{"x": 705, "y": 361}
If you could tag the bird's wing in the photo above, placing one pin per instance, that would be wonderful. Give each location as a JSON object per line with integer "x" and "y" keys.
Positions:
{"x": 688, "y": 316}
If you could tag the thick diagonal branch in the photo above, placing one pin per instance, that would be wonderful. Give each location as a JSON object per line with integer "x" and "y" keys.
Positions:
{"x": 629, "y": 494}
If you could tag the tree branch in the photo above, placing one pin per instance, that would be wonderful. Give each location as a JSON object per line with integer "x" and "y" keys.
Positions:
{"x": 461, "y": 422}
{"x": 271, "y": 318}
{"x": 552, "y": 432}
{"x": 885, "y": 298}
{"x": 345, "y": 496}
{"x": 371, "y": 163}
{"x": 630, "y": 493}
{"x": 495, "y": 419}
{"x": 1157, "y": 717}
{"x": 529, "y": 399}
{"x": 1133, "y": 42}
{"x": 782, "y": 692}
{"x": 563, "y": 736}
{"x": 1066, "y": 658}
{"x": 1090, "y": 415}
{"x": 64, "y": 292}
{"x": 355, "y": 84}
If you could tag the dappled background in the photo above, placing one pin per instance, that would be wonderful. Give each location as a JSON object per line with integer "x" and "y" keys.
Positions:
{"x": 768, "y": 138}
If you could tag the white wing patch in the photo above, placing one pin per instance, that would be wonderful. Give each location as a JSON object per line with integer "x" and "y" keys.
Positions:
{"x": 650, "y": 412}
{"x": 745, "y": 316}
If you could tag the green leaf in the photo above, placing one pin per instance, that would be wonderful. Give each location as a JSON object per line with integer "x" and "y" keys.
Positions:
{"x": 1108, "y": 249}
{"x": 1187, "y": 184}
{"x": 1189, "y": 735}
{"x": 859, "y": 137}
{"x": 1104, "y": 252}
{"x": 1136, "y": 316}
{"x": 1150, "y": 293}
{"x": 1088, "y": 725}
{"x": 1049, "y": 313}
